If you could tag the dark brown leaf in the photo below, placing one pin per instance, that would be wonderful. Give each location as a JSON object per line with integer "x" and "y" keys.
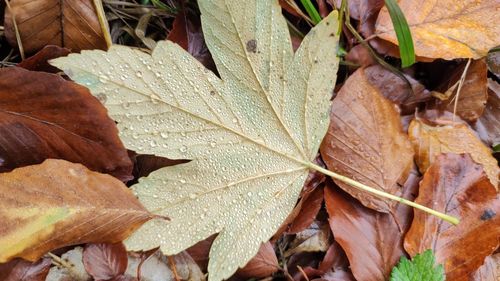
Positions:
{"x": 365, "y": 141}
{"x": 373, "y": 241}
{"x": 20, "y": 270}
{"x": 457, "y": 186}
{"x": 66, "y": 23}
{"x": 105, "y": 261}
{"x": 199, "y": 252}
{"x": 39, "y": 61}
{"x": 186, "y": 32}
{"x": 43, "y": 116}
{"x": 488, "y": 125}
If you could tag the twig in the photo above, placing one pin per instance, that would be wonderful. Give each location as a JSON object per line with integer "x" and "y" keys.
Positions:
{"x": 303, "y": 273}
{"x": 18, "y": 35}
{"x": 171, "y": 262}
{"x": 103, "y": 22}
{"x": 462, "y": 79}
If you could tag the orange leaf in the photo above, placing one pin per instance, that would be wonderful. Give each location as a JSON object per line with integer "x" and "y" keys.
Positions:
{"x": 430, "y": 141}
{"x": 447, "y": 29}
{"x": 57, "y": 203}
{"x": 457, "y": 186}
{"x": 365, "y": 141}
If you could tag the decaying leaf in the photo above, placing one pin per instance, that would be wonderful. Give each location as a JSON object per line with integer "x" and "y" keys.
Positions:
{"x": 66, "y": 23}
{"x": 488, "y": 125}
{"x": 447, "y": 29}
{"x": 57, "y": 203}
{"x": 251, "y": 136}
{"x": 158, "y": 267}
{"x": 489, "y": 271}
{"x": 44, "y": 116}
{"x": 366, "y": 142}
{"x": 430, "y": 141}
{"x": 264, "y": 264}
{"x": 473, "y": 94}
{"x": 21, "y": 270}
{"x": 373, "y": 241}
{"x": 456, "y": 185}
{"x": 77, "y": 270}
{"x": 105, "y": 261}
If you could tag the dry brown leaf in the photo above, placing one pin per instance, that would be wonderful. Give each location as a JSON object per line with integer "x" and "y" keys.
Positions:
{"x": 364, "y": 233}
{"x": 57, "y": 203}
{"x": 457, "y": 186}
{"x": 488, "y": 125}
{"x": 66, "y": 23}
{"x": 430, "y": 141}
{"x": 493, "y": 61}
{"x": 447, "y": 29}
{"x": 264, "y": 264}
{"x": 44, "y": 116}
{"x": 489, "y": 271}
{"x": 473, "y": 94}
{"x": 365, "y": 142}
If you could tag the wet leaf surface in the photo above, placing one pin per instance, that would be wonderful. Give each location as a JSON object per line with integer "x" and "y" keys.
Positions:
{"x": 43, "y": 116}
{"x": 454, "y": 184}
{"x": 366, "y": 142}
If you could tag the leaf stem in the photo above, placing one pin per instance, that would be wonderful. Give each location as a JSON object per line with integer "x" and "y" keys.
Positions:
{"x": 380, "y": 193}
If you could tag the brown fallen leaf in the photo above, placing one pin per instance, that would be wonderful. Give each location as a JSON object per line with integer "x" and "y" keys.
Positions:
{"x": 489, "y": 271}
{"x": 39, "y": 61}
{"x": 488, "y": 125}
{"x": 57, "y": 203}
{"x": 445, "y": 137}
{"x": 395, "y": 89}
{"x": 43, "y": 116}
{"x": 309, "y": 208}
{"x": 364, "y": 11}
{"x": 493, "y": 61}
{"x": 473, "y": 94}
{"x": 335, "y": 259}
{"x": 457, "y": 186}
{"x": 316, "y": 238}
{"x": 264, "y": 264}
{"x": 186, "y": 32}
{"x": 105, "y": 261}
{"x": 365, "y": 142}
{"x": 20, "y": 270}
{"x": 447, "y": 29}
{"x": 66, "y": 23}
{"x": 363, "y": 232}
{"x": 337, "y": 275}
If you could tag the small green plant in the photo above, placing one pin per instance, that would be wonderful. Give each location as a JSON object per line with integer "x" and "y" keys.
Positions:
{"x": 421, "y": 267}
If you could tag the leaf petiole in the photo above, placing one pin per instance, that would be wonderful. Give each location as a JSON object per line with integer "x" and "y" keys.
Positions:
{"x": 448, "y": 218}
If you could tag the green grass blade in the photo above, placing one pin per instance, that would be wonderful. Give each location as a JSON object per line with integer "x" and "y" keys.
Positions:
{"x": 403, "y": 33}
{"x": 311, "y": 11}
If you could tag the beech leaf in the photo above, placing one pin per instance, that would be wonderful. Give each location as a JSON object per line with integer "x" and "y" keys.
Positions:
{"x": 73, "y": 206}
{"x": 251, "y": 135}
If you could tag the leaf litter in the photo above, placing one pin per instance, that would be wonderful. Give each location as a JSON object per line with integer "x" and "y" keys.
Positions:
{"x": 332, "y": 264}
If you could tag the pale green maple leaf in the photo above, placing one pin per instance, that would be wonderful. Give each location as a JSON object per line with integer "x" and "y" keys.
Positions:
{"x": 251, "y": 135}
